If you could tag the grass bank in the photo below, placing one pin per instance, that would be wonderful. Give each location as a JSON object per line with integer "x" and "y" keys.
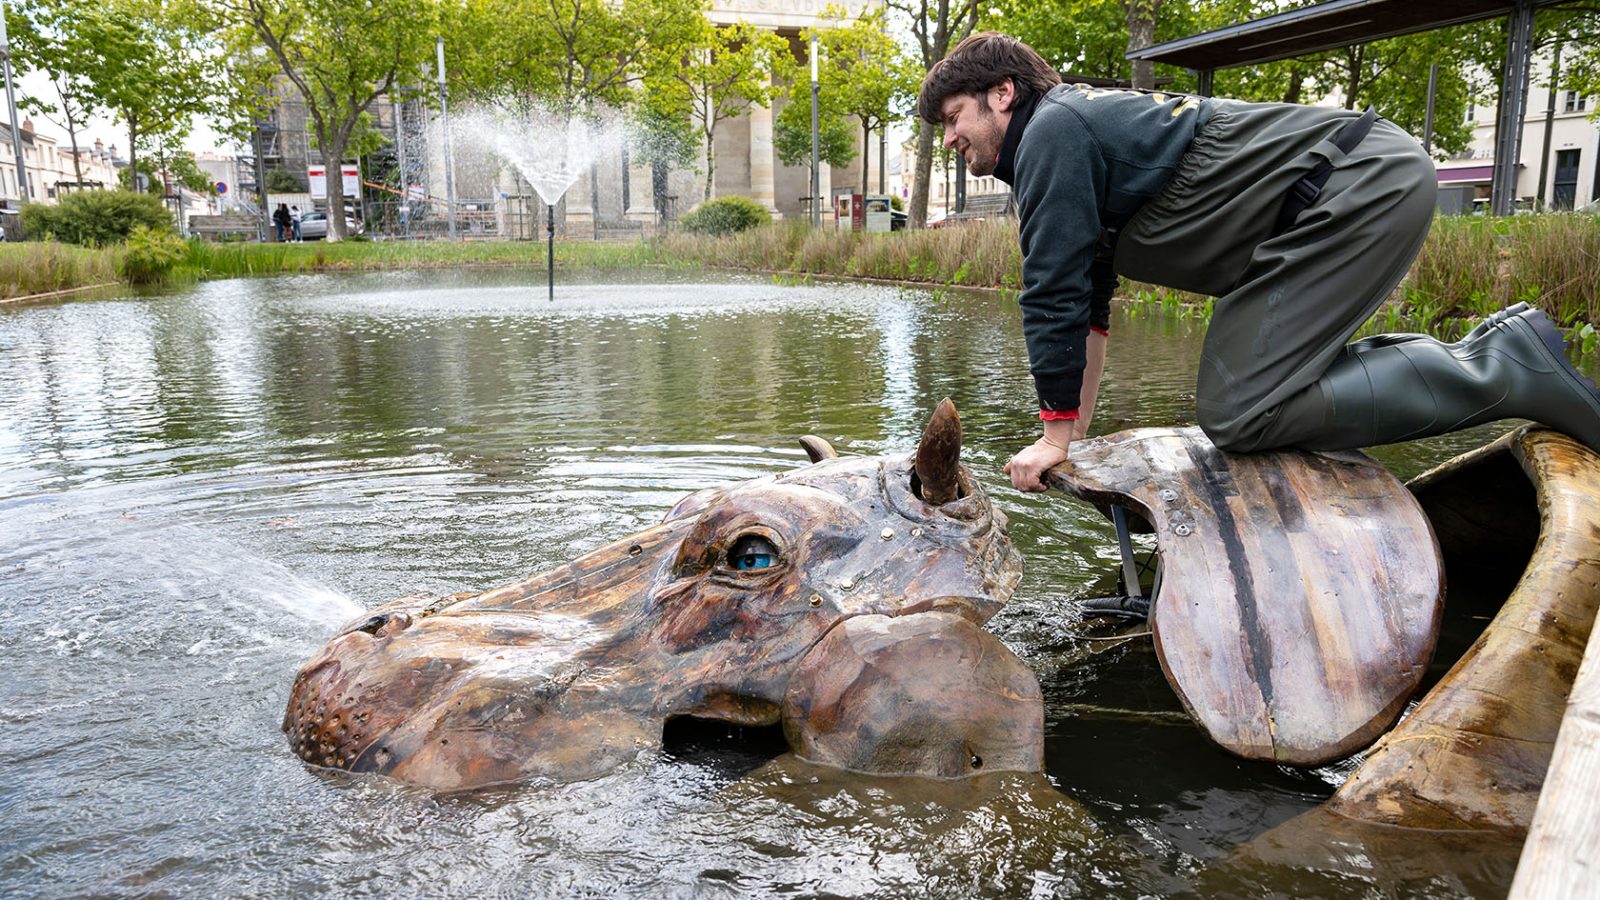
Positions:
{"x": 1469, "y": 267}
{"x": 43, "y": 268}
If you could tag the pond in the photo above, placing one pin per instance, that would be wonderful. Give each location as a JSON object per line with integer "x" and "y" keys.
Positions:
{"x": 197, "y": 488}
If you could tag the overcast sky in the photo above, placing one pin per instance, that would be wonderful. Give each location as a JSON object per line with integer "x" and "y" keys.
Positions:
{"x": 201, "y": 140}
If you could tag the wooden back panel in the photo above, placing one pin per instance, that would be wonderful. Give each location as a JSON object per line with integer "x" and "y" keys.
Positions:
{"x": 1300, "y": 592}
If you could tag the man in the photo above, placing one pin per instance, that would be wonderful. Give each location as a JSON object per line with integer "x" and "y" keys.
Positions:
{"x": 1300, "y": 219}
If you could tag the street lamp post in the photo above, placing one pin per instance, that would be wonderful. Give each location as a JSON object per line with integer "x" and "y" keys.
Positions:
{"x": 11, "y": 104}
{"x": 816, "y": 156}
{"x": 449, "y": 161}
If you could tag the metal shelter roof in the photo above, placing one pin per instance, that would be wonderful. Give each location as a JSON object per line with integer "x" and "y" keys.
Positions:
{"x": 1337, "y": 23}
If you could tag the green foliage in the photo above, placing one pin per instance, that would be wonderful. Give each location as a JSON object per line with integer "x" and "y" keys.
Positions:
{"x": 152, "y": 255}
{"x": 339, "y": 57}
{"x": 723, "y": 71}
{"x": 96, "y": 218}
{"x": 179, "y": 166}
{"x": 791, "y": 135}
{"x": 572, "y": 56}
{"x": 282, "y": 181}
{"x": 863, "y": 73}
{"x": 725, "y": 215}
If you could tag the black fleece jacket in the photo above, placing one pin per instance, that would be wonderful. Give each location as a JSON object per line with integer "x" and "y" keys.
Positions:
{"x": 1080, "y": 159}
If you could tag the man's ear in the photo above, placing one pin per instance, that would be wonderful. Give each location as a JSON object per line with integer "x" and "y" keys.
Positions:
{"x": 1005, "y": 95}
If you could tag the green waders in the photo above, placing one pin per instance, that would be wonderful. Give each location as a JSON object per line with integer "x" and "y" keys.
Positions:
{"x": 1276, "y": 370}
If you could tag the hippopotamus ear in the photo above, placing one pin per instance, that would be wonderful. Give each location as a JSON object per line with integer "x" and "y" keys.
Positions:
{"x": 936, "y": 472}
{"x": 818, "y": 449}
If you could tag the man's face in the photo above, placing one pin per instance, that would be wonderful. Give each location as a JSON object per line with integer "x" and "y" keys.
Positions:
{"x": 977, "y": 129}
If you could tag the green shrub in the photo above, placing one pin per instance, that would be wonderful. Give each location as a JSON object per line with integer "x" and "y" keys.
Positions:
{"x": 152, "y": 255}
{"x": 95, "y": 218}
{"x": 726, "y": 215}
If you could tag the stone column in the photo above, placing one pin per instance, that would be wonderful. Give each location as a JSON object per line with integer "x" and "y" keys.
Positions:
{"x": 761, "y": 158}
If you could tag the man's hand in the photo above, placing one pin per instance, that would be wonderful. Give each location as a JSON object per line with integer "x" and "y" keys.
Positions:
{"x": 1027, "y": 468}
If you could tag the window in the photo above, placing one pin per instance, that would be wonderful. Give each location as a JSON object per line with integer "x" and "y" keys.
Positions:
{"x": 1575, "y": 102}
{"x": 1472, "y": 112}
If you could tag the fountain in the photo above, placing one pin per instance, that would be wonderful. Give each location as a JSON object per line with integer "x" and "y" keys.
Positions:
{"x": 548, "y": 148}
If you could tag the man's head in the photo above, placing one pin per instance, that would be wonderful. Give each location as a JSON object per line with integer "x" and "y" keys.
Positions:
{"x": 972, "y": 92}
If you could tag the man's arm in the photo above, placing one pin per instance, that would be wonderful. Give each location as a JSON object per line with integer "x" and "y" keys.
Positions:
{"x": 1027, "y": 468}
{"x": 1094, "y": 366}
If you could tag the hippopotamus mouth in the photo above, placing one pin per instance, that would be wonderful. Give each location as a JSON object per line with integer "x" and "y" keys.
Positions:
{"x": 842, "y": 600}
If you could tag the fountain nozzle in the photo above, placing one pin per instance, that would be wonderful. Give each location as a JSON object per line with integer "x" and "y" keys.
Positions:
{"x": 550, "y": 260}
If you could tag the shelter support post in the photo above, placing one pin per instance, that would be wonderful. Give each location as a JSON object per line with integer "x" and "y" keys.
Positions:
{"x": 1513, "y": 106}
{"x": 1207, "y": 76}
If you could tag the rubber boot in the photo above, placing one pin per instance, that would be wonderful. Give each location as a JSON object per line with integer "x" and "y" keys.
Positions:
{"x": 1515, "y": 367}
{"x": 1484, "y": 324}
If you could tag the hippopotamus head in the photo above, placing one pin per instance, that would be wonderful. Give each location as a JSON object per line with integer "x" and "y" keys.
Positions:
{"x": 842, "y": 600}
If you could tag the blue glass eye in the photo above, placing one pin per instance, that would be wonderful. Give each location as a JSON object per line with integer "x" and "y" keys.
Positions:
{"x": 752, "y": 552}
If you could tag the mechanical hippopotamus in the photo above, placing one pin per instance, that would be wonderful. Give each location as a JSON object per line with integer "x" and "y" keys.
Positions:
{"x": 842, "y": 600}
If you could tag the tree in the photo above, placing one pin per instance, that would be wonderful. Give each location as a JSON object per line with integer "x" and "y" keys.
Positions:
{"x": 570, "y": 59}
{"x": 339, "y": 57}
{"x": 156, "y": 70}
{"x": 791, "y": 133}
{"x": 726, "y": 69}
{"x": 58, "y": 39}
{"x": 866, "y": 76}
{"x": 663, "y": 135}
{"x": 937, "y": 25}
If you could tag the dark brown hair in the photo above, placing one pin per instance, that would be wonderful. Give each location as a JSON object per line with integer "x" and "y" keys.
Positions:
{"x": 979, "y": 63}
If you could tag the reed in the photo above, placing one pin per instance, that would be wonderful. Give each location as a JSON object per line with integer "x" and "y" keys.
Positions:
{"x": 1554, "y": 262}
{"x": 41, "y": 267}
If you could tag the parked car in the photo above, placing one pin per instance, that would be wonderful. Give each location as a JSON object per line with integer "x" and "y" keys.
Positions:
{"x": 314, "y": 226}
{"x": 897, "y": 220}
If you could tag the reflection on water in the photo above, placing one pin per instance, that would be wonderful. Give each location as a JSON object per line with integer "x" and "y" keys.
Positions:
{"x": 197, "y": 488}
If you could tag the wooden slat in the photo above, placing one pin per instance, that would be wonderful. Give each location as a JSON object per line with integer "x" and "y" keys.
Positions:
{"x": 1561, "y": 858}
{"x": 1300, "y": 594}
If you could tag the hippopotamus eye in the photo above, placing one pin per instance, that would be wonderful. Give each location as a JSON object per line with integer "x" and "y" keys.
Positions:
{"x": 752, "y": 552}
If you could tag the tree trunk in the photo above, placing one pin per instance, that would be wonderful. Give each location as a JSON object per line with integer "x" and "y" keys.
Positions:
{"x": 1355, "y": 55}
{"x": 1297, "y": 80}
{"x": 72, "y": 135}
{"x": 332, "y": 155}
{"x": 947, "y": 28}
{"x": 923, "y": 174}
{"x": 711, "y": 162}
{"x": 133, "y": 152}
{"x": 77, "y": 164}
{"x": 1140, "y": 16}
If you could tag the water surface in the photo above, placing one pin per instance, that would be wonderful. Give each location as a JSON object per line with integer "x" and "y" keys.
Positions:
{"x": 198, "y": 488}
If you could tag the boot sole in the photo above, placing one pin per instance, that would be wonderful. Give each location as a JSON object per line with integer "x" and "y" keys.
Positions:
{"x": 1555, "y": 349}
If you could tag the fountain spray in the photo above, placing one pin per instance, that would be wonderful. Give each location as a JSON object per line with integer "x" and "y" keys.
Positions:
{"x": 550, "y": 264}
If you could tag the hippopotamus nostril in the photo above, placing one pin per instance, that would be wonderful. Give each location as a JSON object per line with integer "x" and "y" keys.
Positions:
{"x": 372, "y": 625}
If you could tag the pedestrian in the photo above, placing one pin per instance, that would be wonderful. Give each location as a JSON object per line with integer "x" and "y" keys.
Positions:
{"x": 294, "y": 222}
{"x": 1300, "y": 219}
{"x": 280, "y": 219}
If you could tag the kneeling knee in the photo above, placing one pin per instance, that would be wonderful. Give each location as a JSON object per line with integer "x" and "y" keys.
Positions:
{"x": 1228, "y": 429}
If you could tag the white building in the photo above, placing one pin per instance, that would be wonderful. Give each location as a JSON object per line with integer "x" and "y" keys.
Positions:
{"x": 49, "y": 165}
{"x": 1568, "y": 170}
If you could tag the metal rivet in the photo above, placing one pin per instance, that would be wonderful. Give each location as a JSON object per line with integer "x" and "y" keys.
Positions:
{"x": 816, "y": 599}
{"x": 1181, "y": 530}
{"x": 847, "y": 584}
{"x": 1168, "y": 494}
{"x": 635, "y": 550}
{"x": 916, "y": 532}
{"x": 888, "y": 534}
